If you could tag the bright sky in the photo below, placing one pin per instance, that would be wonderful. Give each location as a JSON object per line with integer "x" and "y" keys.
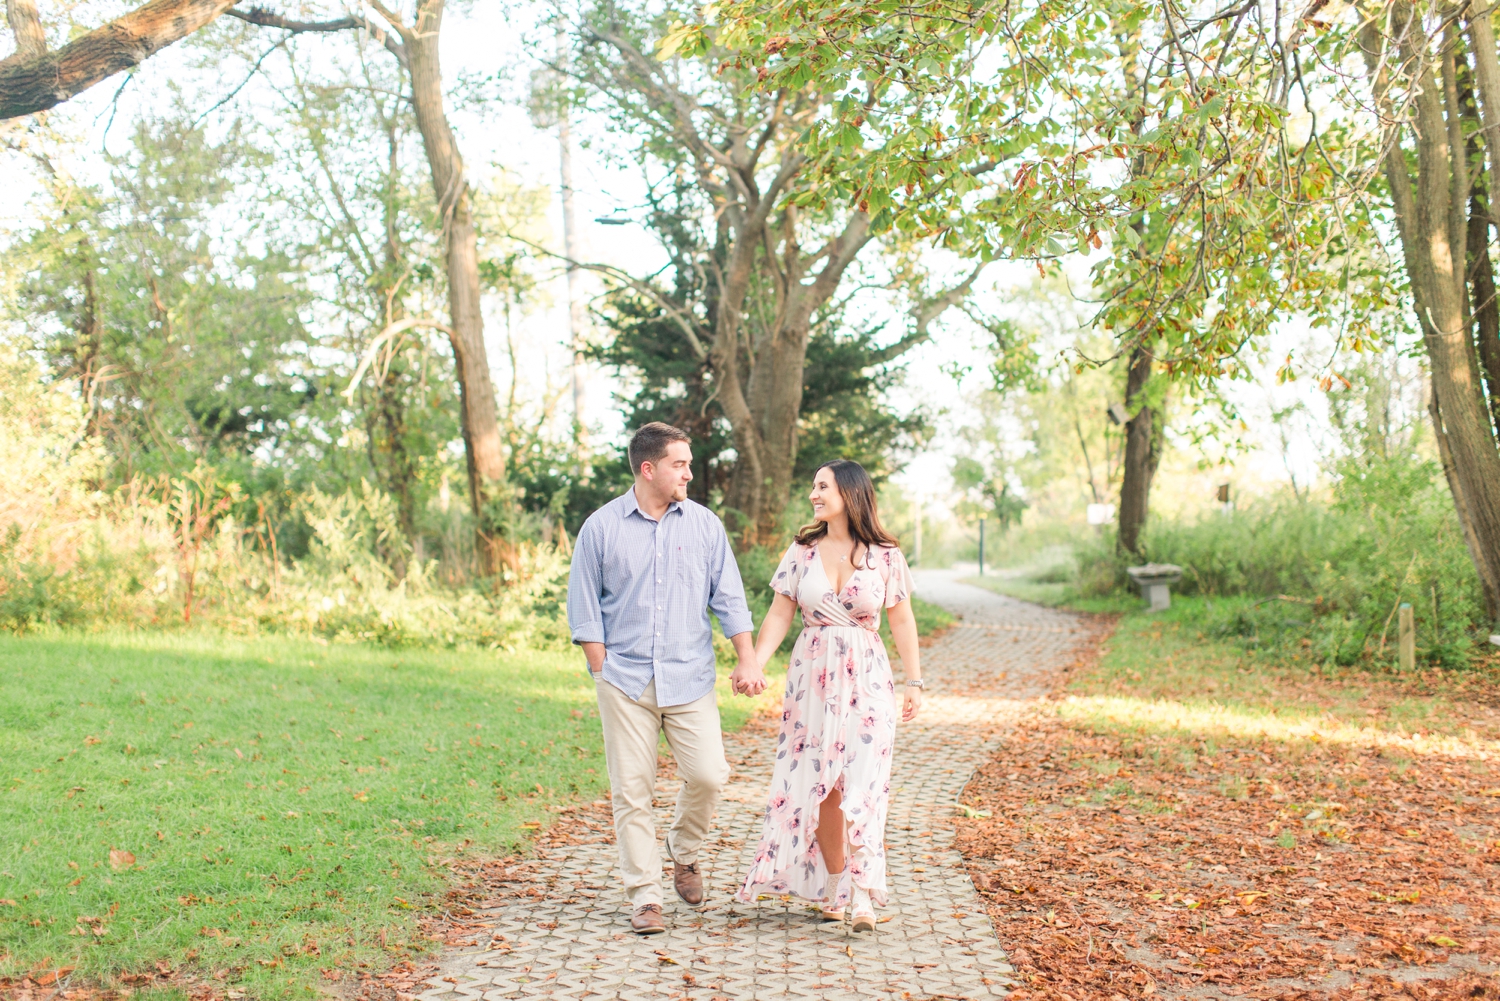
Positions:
{"x": 488, "y": 39}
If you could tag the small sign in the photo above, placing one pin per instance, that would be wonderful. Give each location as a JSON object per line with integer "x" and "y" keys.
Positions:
{"x": 1101, "y": 514}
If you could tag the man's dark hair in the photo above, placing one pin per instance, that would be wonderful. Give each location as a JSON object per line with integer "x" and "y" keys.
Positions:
{"x": 650, "y": 442}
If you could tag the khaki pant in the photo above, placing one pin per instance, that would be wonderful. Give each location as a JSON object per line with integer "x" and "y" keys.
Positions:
{"x": 630, "y": 735}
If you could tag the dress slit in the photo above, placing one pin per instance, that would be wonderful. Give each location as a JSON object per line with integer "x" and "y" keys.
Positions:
{"x": 853, "y": 850}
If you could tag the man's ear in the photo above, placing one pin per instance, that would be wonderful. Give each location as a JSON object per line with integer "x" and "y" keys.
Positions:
{"x": 648, "y": 470}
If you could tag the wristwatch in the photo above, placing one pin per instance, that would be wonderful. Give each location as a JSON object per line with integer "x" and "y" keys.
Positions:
{"x": 915, "y": 683}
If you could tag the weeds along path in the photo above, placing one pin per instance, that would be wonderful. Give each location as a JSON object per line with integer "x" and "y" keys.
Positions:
{"x": 556, "y": 925}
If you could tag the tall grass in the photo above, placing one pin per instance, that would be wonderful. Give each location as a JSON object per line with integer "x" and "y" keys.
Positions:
{"x": 184, "y": 549}
{"x": 1323, "y": 577}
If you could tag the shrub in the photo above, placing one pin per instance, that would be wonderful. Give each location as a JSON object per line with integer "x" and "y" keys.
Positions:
{"x": 170, "y": 549}
{"x": 1331, "y": 575}
{"x": 344, "y": 589}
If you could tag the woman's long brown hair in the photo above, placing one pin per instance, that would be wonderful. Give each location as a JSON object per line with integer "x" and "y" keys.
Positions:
{"x": 859, "y": 507}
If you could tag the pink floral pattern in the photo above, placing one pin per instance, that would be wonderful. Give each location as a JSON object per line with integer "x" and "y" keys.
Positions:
{"x": 838, "y": 726}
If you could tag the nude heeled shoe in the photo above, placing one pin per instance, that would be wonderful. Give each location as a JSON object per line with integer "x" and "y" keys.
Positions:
{"x": 864, "y": 911}
{"x": 830, "y": 892}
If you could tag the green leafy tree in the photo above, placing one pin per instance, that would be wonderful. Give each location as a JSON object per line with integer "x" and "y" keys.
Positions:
{"x": 843, "y": 414}
{"x": 758, "y": 259}
{"x": 1211, "y": 158}
{"x": 360, "y": 216}
{"x": 183, "y": 342}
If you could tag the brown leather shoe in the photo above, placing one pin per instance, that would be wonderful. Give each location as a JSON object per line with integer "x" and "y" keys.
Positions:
{"x": 647, "y": 920}
{"x": 688, "y": 883}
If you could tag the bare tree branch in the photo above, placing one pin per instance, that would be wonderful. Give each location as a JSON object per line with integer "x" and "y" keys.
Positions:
{"x": 26, "y": 25}
{"x": 45, "y": 80}
{"x": 268, "y": 19}
{"x": 926, "y": 312}
{"x": 391, "y": 17}
{"x": 229, "y": 96}
{"x": 679, "y": 316}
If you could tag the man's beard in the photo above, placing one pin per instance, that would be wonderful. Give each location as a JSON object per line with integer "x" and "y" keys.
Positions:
{"x": 679, "y": 492}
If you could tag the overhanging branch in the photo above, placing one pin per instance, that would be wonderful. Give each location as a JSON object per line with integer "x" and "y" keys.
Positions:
{"x": 926, "y": 312}
{"x": 676, "y": 313}
{"x": 269, "y": 19}
{"x": 45, "y": 80}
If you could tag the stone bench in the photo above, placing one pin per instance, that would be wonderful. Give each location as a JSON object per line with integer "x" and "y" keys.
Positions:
{"x": 1155, "y": 581}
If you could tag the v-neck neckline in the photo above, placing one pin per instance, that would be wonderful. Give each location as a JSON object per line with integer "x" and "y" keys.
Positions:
{"x": 838, "y": 592}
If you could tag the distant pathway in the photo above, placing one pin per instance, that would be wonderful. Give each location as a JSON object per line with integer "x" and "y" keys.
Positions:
{"x": 935, "y": 940}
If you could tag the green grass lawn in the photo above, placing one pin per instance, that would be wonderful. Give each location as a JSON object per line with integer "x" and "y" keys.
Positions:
{"x": 1173, "y": 673}
{"x": 280, "y": 799}
{"x": 266, "y": 808}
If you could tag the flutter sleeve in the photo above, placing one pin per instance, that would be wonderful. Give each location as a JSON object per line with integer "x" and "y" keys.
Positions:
{"x": 788, "y": 576}
{"x": 898, "y": 583}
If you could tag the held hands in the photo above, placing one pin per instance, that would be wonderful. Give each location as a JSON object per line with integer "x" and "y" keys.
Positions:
{"x": 912, "y": 705}
{"x": 748, "y": 678}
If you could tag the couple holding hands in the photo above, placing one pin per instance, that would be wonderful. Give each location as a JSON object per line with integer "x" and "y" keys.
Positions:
{"x": 646, "y": 569}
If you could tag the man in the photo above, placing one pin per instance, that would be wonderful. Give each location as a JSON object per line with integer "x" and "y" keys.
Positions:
{"x": 647, "y": 566}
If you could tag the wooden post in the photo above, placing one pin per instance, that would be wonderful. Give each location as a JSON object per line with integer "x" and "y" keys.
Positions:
{"x": 981, "y": 547}
{"x": 1408, "y": 645}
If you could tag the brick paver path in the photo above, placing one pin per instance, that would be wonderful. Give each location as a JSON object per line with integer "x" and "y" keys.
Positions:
{"x": 934, "y": 941}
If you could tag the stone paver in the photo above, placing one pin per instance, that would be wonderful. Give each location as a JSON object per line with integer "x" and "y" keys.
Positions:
{"x": 574, "y": 941}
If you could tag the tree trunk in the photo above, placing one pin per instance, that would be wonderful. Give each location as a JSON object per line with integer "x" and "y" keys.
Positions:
{"x": 1481, "y": 267}
{"x": 395, "y": 466}
{"x": 90, "y": 343}
{"x": 1142, "y": 452}
{"x": 1481, "y": 274}
{"x": 388, "y": 418}
{"x": 775, "y": 393}
{"x": 1455, "y": 488}
{"x": 763, "y": 408}
{"x": 1434, "y": 266}
{"x": 483, "y": 446}
{"x": 40, "y": 80}
{"x": 573, "y": 251}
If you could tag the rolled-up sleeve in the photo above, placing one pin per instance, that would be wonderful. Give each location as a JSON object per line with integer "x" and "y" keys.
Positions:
{"x": 726, "y": 595}
{"x": 585, "y": 578}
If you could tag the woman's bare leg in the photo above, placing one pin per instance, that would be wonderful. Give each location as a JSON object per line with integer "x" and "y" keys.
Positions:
{"x": 831, "y": 831}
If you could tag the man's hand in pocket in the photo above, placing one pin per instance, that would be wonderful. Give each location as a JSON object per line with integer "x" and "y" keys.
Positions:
{"x": 593, "y": 653}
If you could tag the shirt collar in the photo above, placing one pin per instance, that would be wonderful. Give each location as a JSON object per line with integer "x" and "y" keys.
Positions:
{"x": 633, "y": 507}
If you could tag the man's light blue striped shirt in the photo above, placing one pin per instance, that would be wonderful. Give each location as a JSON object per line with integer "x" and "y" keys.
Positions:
{"x": 643, "y": 588}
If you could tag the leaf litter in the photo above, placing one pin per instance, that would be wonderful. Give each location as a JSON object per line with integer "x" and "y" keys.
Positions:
{"x": 1140, "y": 864}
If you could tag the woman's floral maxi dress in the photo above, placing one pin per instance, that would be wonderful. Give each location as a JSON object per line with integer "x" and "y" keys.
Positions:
{"x": 838, "y": 727}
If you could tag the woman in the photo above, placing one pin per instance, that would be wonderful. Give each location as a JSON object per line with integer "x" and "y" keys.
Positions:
{"x": 824, "y": 836}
